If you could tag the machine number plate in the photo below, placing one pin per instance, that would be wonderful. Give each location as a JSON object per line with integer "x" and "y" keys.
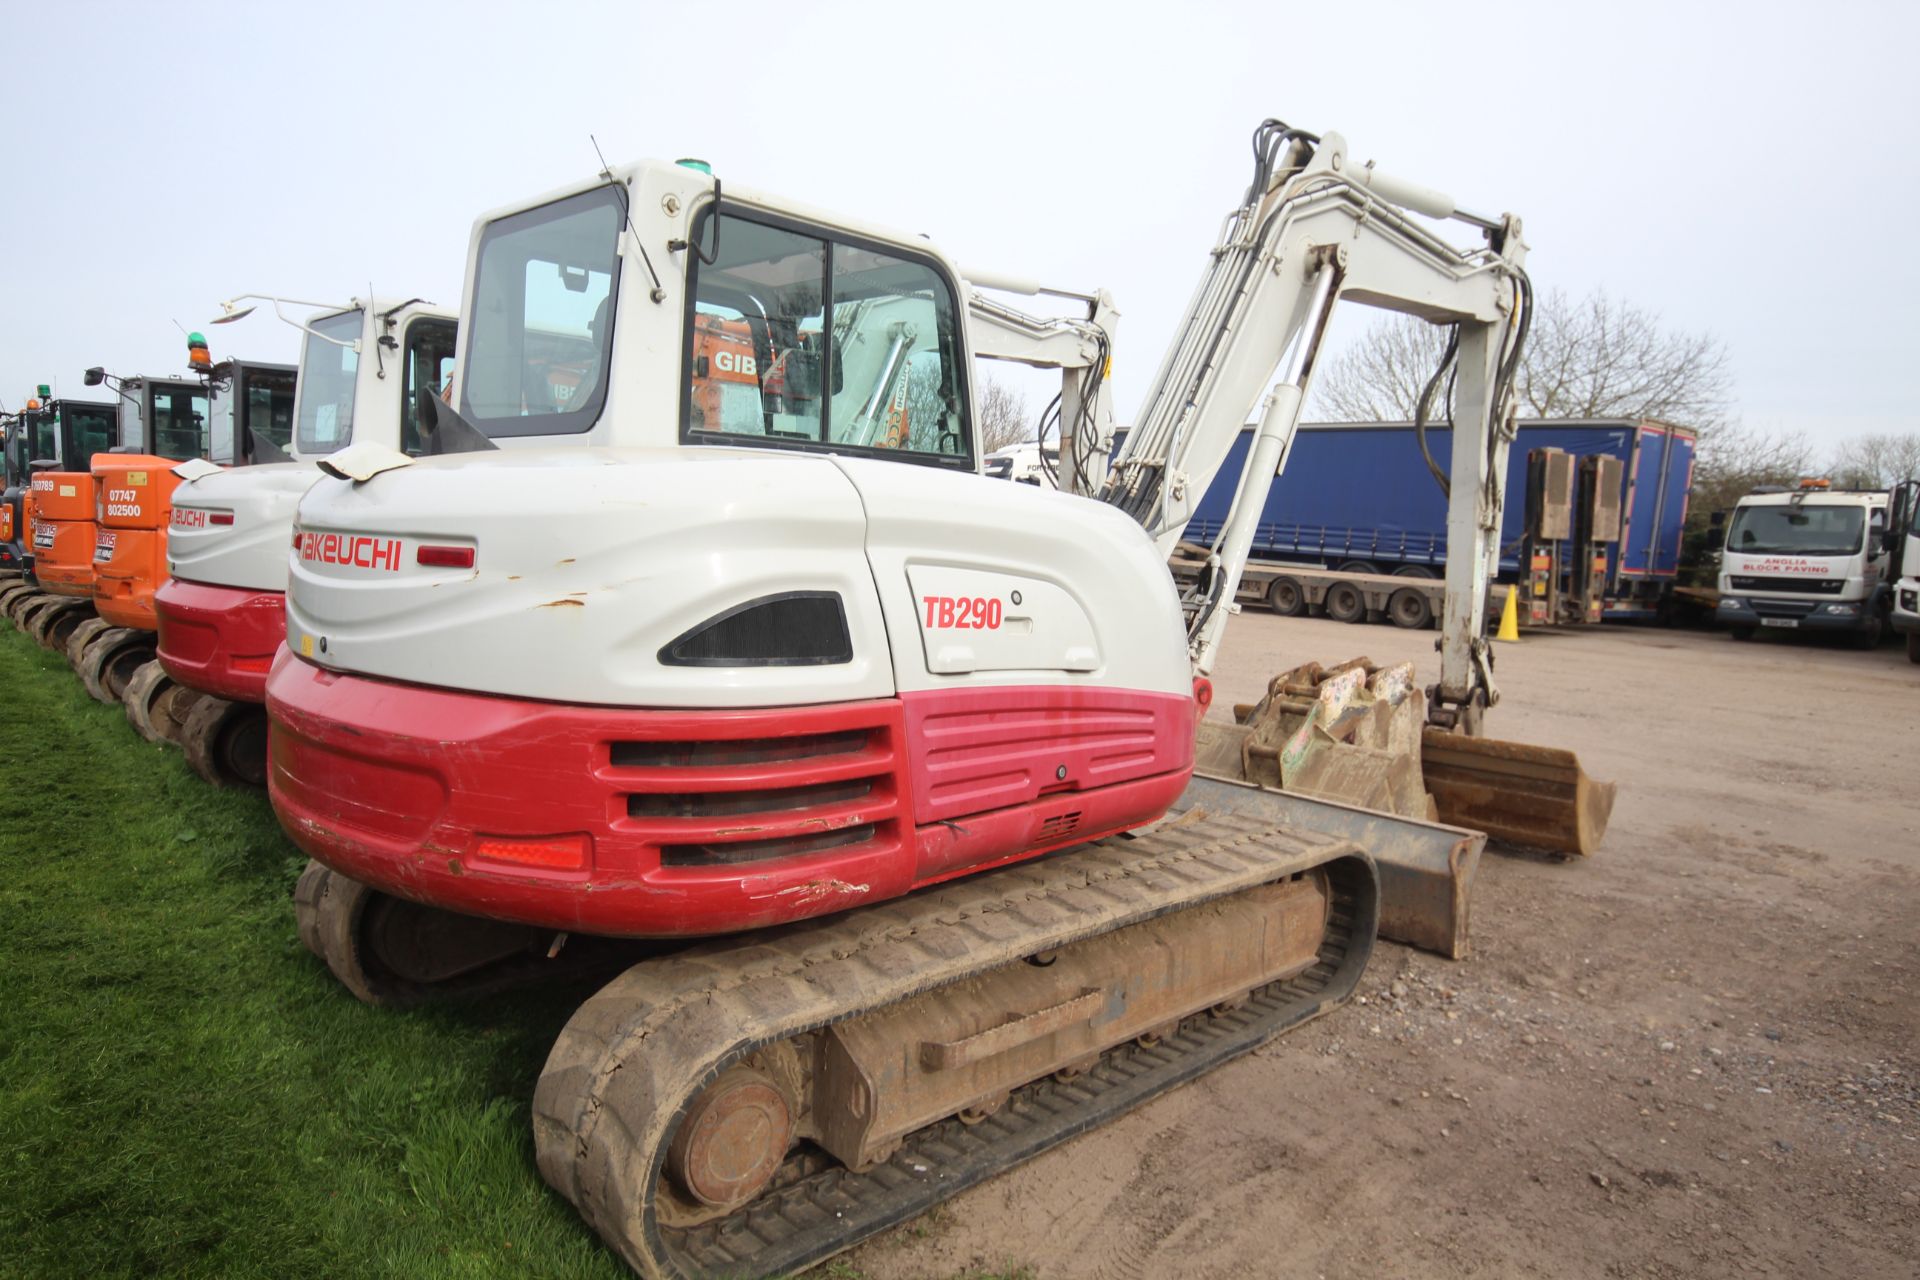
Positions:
{"x": 43, "y": 537}
{"x": 1779, "y": 622}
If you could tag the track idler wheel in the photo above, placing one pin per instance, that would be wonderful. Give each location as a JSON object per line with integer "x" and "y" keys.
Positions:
{"x": 82, "y": 637}
{"x": 394, "y": 953}
{"x": 157, "y": 704}
{"x": 52, "y": 625}
{"x": 226, "y": 742}
{"x": 14, "y": 591}
{"x": 110, "y": 660}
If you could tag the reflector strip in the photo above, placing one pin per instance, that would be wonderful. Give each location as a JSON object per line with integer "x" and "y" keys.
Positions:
{"x": 559, "y": 853}
{"x": 219, "y": 517}
{"x": 445, "y": 557}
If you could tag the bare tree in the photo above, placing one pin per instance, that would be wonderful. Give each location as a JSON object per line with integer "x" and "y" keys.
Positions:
{"x": 1379, "y": 380}
{"x": 1733, "y": 459}
{"x": 1595, "y": 357}
{"x": 1877, "y": 461}
{"x": 1004, "y": 421}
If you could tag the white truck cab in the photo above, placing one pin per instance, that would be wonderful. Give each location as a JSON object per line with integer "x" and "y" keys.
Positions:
{"x": 1811, "y": 558}
{"x": 1024, "y": 464}
{"x": 1903, "y": 535}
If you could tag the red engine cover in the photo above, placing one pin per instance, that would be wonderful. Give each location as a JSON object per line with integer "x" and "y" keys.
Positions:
{"x": 667, "y": 823}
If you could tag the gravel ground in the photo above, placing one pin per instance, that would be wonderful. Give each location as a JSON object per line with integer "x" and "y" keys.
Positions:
{"x": 1695, "y": 1054}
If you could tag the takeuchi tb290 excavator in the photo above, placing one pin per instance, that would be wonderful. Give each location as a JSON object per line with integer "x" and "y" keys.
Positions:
{"x": 221, "y": 613}
{"x": 913, "y": 750}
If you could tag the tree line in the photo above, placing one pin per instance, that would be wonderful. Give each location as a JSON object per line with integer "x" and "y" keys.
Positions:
{"x": 1595, "y": 356}
{"x": 1600, "y": 357}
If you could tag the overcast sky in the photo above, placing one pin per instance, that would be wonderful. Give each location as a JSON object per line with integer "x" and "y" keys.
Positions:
{"x": 1746, "y": 169}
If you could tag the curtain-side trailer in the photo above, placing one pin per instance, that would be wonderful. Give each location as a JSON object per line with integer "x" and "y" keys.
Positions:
{"x": 1359, "y": 498}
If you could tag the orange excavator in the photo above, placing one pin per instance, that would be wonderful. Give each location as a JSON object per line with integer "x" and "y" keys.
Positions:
{"x": 239, "y": 412}
{"x": 49, "y": 509}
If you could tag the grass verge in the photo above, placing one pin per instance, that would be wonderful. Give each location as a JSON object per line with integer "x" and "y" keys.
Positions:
{"x": 183, "y": 1089}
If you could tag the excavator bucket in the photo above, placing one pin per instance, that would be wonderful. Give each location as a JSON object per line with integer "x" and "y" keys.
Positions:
{"x": 1347, "y": 751}
{"x": 1535, "y": 796}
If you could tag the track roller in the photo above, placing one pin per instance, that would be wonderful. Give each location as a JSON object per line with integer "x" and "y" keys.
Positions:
{"x": 26, "y": 610}
{"x": 82, "y": 637}
{"x": 751, "y": 1107}
{"x": 53, "y": 625}
{"x": 110, "y": 660}
{"x": 394, "y": 953}
{"x": 225, "y": 742}
{"x": 157, "y": 704}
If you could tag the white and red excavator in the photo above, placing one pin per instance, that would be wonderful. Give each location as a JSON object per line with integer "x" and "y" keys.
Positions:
{"x": 771, "y": 665}
{"x": 222, "y": 612}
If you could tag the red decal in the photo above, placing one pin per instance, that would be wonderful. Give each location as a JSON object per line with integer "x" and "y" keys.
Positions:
{"x": 964, "y": 613}
{"x": 358, "y": 551}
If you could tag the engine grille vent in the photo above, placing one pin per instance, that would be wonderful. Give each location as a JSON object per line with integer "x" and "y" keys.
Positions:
{"x": 1060, "y": 826}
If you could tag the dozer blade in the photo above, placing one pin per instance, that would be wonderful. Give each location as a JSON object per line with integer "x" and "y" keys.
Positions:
{"x": 1426, "y": 869}
{"x": 1535, "y": 796}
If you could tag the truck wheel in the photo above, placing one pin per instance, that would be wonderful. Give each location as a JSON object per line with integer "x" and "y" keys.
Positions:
{"x": 1415, "y": 571}
{"x": 1359, "y": 566}
{"x": 1286, "y": 597}
{"x": 1345, "y": 603}
{"x": 1741, "y": 633}
{"x": 1913, "y": 646}
{"x": 1408, "y": 608}
{"x": 1868, "y": 637}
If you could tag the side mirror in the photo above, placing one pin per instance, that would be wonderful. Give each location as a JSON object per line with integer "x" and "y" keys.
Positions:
{"x": 1716, "y": 520}
{"x": 1877, "y": 542}
{"x": 95, "y": 376}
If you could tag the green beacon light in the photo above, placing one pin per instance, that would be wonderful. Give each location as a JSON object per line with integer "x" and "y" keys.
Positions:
{"x": 701, "y": 166}
{"x": 46, "y": 391}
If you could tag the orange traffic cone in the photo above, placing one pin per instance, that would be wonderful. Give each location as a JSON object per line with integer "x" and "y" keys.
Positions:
{"x": 1510, "y": 616}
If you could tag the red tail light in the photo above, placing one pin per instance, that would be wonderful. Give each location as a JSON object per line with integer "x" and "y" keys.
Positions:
{"x": 445, "y": 557}
{"x": 219, "y": 517}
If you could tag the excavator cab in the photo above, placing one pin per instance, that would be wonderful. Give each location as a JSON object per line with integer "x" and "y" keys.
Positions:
{"x": 252, "y": 412}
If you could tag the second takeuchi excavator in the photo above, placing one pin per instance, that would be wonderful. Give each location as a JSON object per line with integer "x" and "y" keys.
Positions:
{"x": 221, "y": 612}
{"x": 913, "y": 752}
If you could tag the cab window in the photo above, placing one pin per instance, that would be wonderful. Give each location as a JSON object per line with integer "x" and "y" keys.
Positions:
{"x": 797, "y": 340}
{"x": 542, "y": 317}
{"x": 329, "y": 376}
{"x": 180, "y": 422}
{"x": 430, "y": 347}
{"x": 267, "y": 409}
{"x": 893, "y": 354}
{"x": 92, "y": 427}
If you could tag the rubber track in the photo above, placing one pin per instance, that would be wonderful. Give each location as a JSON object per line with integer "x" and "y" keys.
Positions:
{"x": 634, "y": 1056}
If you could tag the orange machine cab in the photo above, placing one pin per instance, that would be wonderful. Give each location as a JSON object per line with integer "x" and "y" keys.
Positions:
{"x": 63, "y": 524}
{"x": 133, "y": 496}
